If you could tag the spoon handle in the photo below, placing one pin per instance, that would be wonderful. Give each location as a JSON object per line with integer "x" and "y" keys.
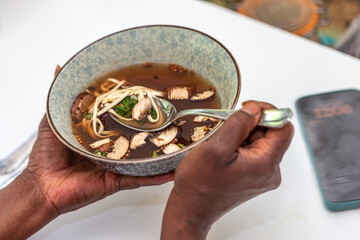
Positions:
{"x": 221, "y": 114}
{"x": 273, "y": 118}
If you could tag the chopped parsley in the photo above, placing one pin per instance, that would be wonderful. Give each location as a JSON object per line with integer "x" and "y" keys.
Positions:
{"x": 181, "y": 145}
{"x": 126, "y": 106}
{"x": 87, "y": 115}
{"x": 100, "y": 154}
{"x": 97, "y": 152}
{"x": 153, "y": 113}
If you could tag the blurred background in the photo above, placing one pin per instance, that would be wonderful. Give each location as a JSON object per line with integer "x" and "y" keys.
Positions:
{"x": 333, "y": 23}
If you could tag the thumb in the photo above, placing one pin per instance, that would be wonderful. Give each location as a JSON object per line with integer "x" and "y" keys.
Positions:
{"x": 237, "y": 128}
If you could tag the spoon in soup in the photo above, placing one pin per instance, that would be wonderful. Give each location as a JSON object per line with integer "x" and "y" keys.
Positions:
{"x": 271, "y": 118}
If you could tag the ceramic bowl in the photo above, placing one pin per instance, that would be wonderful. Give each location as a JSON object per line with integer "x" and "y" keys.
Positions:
{"x": 158, "y": 44}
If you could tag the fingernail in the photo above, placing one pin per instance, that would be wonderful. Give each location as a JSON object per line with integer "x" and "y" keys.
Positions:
{"x": 251, "y": 107}
{"x": 57, "y": 69}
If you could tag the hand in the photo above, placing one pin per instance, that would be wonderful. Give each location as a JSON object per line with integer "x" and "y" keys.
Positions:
{"x": 56, "y": 181}
{"x": 69, "y": 181}
{"x": 238, "y": 163}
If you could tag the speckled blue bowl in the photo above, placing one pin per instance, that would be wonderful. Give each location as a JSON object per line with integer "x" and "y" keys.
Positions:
{"x": 157, "y": 44}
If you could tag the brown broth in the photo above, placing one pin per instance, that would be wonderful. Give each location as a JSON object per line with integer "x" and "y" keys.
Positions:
{"x": 158, "y": 77}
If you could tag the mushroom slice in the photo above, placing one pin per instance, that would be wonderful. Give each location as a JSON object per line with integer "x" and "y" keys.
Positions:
{"x": 138, "y": 140}
{"x": 204, "y": 119}
{"x": 121, "y": 146}
{"x": 179, "y": 92}
{"x": 199, "y": 133}
{"x": 170, "y": 148}
{"x": 180, "y": 123}
{"x": 141, "y": 109}
{"x": 203, "y": 95}
{"x": 81, "y": 104}
{"x": 165, "y": 136}
{"x": 97, "y": 144}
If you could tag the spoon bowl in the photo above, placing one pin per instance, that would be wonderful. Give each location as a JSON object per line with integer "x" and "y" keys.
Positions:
{"x": 270, "y": 118}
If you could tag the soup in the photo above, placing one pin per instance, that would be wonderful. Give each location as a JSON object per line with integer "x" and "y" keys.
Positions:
{"x": 131, "y": 94}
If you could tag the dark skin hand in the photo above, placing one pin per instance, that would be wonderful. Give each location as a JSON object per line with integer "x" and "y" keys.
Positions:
{"x": 56, "y": 181}
{"x": 73, "y": 173}
{"x": 238, "y": 163}
{"x": 69, "y": 181}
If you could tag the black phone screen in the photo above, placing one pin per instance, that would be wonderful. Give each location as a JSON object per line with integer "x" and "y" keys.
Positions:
{"x": 331, "y": 123}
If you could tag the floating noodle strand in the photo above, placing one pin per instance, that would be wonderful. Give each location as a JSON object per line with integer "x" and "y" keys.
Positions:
{"x": 113, "y": 96}
{"x": 118, "y": 116}
{"x": 110, "y": 85}
{"x": 141, "y": 94}
{"x": 94, "y": 117}
{"x": 95, "y": 94}
{"x": 113, "y": 80}
{"x": 149, "y": 117}
{"x": 111, "y": 105}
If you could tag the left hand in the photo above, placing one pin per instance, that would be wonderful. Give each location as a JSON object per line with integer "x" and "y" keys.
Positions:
{"x": 69, "y": 181}
{"x": 57, "y": 180}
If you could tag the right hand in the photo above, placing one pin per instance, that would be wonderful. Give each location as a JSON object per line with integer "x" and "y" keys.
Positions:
{"x": 238, "y": 163}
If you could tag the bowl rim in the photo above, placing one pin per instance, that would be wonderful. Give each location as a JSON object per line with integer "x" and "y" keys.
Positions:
{"x": 148, "y": 159}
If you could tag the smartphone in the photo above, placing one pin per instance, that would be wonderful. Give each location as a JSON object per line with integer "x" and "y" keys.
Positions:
{"x": 331, "y": 128}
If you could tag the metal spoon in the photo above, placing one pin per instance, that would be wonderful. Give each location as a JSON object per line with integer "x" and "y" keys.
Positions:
{"x": 271, "y": 118}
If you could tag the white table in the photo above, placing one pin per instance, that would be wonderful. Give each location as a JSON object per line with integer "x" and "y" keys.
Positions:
{"x": 275, "y": 66}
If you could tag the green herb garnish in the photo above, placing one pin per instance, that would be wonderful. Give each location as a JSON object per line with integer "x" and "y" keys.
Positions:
{"x": 100, "y": 154}
{"x": 97, "y": 152}
{"x": 154, "y": 154}
{"x": 181, "y": 145}
{"x": 126, "y": 106}
{"x": 121, "y": 110}
{"x": 153, "y": 113}
{"x": 87, "y": 115}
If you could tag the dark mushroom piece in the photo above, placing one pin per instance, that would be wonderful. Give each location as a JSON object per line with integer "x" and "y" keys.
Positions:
{"x": 170, "y": 148}
{"x": 141, "y": 109}
{"x": 179, "y": 92}
{"x": 138, "y": 140}
{"x": 105, "y": 147}
{"x": 120, "y": 148}
{"x": 202, "y": 96}
{"x": 165, "y": 136}
{"x": 81, "y": 104}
